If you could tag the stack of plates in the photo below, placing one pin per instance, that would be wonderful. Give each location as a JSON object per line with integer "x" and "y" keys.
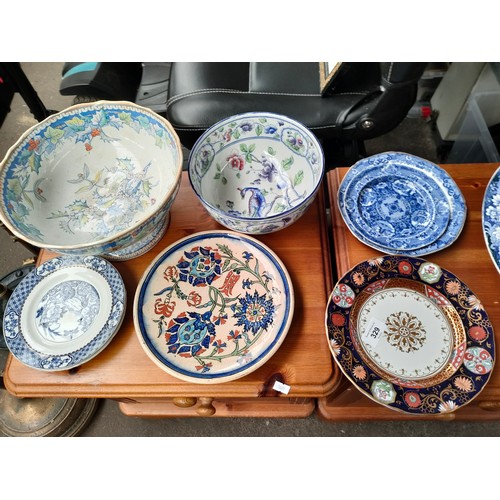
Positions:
{"x": 491, "y": 218}
{"x": 401, "y": 204}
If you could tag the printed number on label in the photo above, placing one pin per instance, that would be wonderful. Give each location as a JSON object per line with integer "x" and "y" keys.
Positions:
{"x": 373, "y": 332}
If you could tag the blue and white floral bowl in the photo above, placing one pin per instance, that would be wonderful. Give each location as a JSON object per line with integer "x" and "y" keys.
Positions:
{"x": 91, "y": 180}
{"x": 256, "y": 173}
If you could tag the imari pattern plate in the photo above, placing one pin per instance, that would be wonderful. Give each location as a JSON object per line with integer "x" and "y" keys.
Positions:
{"x": 410, "y": 335}
{"x": 65, "y": 312}
{"x": 213, "y": 307}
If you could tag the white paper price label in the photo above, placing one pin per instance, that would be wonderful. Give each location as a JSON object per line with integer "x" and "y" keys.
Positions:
{"x": 373, "y": 332}
{"x": 283, "y": 388}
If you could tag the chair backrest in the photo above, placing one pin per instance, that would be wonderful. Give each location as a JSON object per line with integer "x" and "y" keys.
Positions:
{"x": 369, "y": 99}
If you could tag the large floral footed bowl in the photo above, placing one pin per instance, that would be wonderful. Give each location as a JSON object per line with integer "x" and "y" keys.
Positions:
{"x": 94, "y": 179}
{"x": 256, "y": 173}
{"x": 213, "y": 307}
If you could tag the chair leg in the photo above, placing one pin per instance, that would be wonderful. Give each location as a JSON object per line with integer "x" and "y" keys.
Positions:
{"x": 344, "y": 153}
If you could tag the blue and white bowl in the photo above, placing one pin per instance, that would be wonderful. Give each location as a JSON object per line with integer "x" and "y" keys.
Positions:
{"x": 92, "y": 179}
{"x": 256, "y": 173}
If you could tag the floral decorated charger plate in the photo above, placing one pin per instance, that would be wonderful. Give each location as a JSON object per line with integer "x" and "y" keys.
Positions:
{"x": 65, "y": 312}
{"x": 213, "y": 307}
{"x": 491, "y": 218}
{"x": 410, "y": 335}
{"x": 399, "y": 203}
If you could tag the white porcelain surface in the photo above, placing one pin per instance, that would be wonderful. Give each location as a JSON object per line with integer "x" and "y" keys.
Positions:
{"x": 91, "y": 179}
{"x": 256, "y": 172}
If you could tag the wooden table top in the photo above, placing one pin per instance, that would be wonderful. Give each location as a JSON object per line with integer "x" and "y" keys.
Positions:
{"x": 467, "y": 258}
{"x": 124, "y": 371}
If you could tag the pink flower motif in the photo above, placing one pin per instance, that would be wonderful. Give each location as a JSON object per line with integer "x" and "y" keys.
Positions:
{"x": 228, "y": 134}
{"x": 236, "y": 162}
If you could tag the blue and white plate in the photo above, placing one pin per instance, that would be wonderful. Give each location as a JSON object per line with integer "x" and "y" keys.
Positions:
{"x": 401, "y": 204}
{"x": 491, "y": 218}
{"x": 213, "y": 307}
{"x": 64, "y": 312}
{"x": 400, "y": 210}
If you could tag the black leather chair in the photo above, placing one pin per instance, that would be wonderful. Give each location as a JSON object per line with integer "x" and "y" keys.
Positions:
{"x": 369, "y": 99}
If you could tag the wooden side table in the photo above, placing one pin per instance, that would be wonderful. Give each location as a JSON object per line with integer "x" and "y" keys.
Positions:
{"x": 467, "y": 258}
{"x": 125, "y": 373}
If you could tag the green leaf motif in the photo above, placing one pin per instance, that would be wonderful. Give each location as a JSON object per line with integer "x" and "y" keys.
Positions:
{"x": 78, "y": 206}
{"x": 103, "y": 119}
{"x": 14, "y": 186}
{"x": 279, "y": 208}
{"x": 53, "y": 134}
{"x": 225, "y": 249}
{"x": 86, "y": 171}
{"x": 35, "y": 163}
{"x": 159, "y": 142}
{"x": 299, "y": 177}
{"x": 27, "y": 199}
{"x": 259, "y": 129}
{"x": 98, "y": 176}
{"x": 224, "y": 180}
{"x": 256, "y": 268}
{"x": 64, "y": 225}
{"x": 243, "y": 148}
{"x": 143, "y": 121}
{"x": 84, "y": 189}
{"x": 125, "y": 117}
{"x": 271, "y": 151}
{"x": 287, "y": 163}
{"x": 76, "y": 123}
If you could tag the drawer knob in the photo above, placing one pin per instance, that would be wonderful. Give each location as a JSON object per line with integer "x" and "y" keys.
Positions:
{"x": 184, "y": 402}
{"x": 206, "y": 408}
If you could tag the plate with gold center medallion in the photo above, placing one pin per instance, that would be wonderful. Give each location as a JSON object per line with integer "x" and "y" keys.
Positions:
{"x": 410, "y": 335}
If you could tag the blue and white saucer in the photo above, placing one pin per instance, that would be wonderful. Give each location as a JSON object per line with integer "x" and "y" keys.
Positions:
{"x": 491, "y": 218}
{"x": 65, "y": 312}
{"x": 401, "y": 204}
